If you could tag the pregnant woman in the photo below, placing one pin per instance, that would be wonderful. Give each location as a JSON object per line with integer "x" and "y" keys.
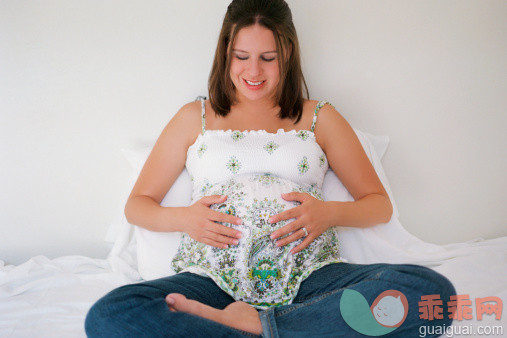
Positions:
{"x": 259, "y": 255}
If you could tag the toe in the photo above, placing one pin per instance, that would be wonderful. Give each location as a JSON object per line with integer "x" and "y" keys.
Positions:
{"x": 175, "y": 300}
{"x": 169, "y": 300}
{"x": 179, "y": 302}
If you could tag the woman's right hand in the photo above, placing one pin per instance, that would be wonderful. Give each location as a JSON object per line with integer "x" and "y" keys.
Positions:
{"x": 199, "y": 222}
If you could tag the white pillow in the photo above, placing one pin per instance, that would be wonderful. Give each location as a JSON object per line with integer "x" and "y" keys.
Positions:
{"x": 155, "y": 250}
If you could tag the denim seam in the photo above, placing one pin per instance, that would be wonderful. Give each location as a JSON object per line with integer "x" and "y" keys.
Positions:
{"x": 266, "y": 323}
{"x": 270, "y": 328}
{"x": 321, "y": 296}
{"x": 271, "y": 325}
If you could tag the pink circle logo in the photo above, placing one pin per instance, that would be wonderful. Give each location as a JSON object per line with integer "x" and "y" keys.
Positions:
{"x": 390, "y": 308}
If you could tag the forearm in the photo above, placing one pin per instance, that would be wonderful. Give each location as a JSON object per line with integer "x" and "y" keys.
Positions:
{"x": 145, "y": 212}
{"x": 368, "y": 211}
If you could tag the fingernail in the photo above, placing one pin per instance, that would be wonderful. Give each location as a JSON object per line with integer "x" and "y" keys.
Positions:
{"x": 170, "y": 300}
{"x": 239, "y": 222}
{"x": 272, "y": 236}
{"x": 235, "y": 242}
{"x": 239, "y": 235}
{"x": 226, "y": 246}
{"x": 270, "y": 220}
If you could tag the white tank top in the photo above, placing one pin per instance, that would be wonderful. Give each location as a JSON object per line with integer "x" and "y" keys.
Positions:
{"x": 253, "y": 168}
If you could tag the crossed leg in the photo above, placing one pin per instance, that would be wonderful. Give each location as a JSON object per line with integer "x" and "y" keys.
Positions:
{"x": 316, "y": 309}
{"x": 201, "y": 308}
{"x": 238, "y": 315}
{"x": 140, "y": 310}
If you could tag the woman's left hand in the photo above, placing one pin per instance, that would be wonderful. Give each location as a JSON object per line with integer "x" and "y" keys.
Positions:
{"x": 312, "y": 214}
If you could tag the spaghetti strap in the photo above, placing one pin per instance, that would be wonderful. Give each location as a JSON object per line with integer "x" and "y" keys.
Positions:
{"x": 316, "y": 112}
{"x": 203, "y": 112}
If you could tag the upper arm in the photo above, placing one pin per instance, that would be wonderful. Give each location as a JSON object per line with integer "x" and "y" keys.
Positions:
{"x": 168, "y": 156}
{"x": 346, "y": 155}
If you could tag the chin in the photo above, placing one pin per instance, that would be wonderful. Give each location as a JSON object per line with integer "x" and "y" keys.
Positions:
{"x": 253, "y": 96}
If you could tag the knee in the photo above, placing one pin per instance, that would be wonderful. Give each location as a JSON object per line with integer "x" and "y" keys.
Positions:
{"x": 94, "y": 320}
{"x": 434, "y": 282}
{"x": 101, "y": 314}
{"x": 444, "y": 285}
{"x": 441, "y": 286}
{"x": 426, "y": 281}
{"x": 111, "y": 314}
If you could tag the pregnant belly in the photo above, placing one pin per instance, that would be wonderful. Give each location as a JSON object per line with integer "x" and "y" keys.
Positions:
{"x": 254, "y": 199}
{"x": 256, "y": 270}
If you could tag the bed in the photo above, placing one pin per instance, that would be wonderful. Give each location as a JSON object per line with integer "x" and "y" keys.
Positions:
{"x": 50, "y": 297}
{"x": 428, "y": 73}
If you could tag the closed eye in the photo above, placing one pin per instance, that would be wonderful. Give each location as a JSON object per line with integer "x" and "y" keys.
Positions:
{"x": 263, "y": 58}
{"x": 267, "y": 59}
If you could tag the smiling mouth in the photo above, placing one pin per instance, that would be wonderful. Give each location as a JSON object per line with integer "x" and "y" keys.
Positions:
{"x": 252, "y": 83}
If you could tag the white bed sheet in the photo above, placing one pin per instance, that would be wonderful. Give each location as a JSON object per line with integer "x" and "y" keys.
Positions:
{"x": 48, "y": 298}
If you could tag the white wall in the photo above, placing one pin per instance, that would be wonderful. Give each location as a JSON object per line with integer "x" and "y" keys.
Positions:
{"x": 81, "y": 79}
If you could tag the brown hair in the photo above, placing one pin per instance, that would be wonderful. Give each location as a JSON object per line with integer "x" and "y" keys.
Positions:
{"x": 276, "y": 16}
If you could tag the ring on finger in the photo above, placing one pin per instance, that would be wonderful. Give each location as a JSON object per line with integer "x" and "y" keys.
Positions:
{"x": 306, "y": 231}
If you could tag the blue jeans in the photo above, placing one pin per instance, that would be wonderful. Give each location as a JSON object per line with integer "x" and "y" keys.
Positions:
{"x": 139, "y": 310}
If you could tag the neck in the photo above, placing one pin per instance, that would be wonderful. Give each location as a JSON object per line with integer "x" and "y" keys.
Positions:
{"x": 256, "y": 107}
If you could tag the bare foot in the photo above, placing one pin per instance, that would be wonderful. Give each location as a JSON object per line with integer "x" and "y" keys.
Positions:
{"x": 238, "y": 315}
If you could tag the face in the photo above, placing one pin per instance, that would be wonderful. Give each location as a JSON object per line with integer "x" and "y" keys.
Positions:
{"x": 254, "y": 64}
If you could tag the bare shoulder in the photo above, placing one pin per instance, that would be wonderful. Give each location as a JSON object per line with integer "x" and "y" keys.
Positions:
{"x": 345, "y": 154}
{"x": 331, "y": 125}
{"x": 168, "y": 156}
{"x": 327, "y": 109}
{"x": 329, "y": 122}
{"x": 186, "y": 122}
{"x": 189, "y": 114}
{"x": 328, "y": 113}
{"x": 193, "y": 108}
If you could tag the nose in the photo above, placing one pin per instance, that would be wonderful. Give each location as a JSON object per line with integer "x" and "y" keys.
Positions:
{"x": 254, "y": 68}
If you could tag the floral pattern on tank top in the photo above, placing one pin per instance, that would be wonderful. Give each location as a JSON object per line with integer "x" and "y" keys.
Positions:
{"x": 253, "y": 168}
